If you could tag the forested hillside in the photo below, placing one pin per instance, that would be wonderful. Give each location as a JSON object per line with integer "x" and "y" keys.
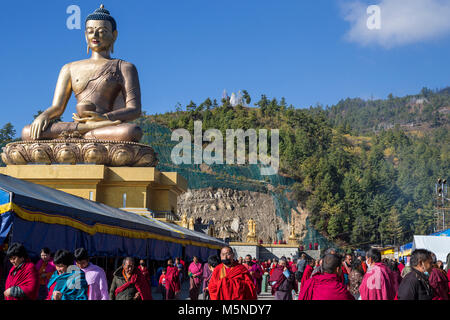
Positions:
{"x": 415, "y": 113}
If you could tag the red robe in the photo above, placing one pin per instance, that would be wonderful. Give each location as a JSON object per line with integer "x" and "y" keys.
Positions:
{"x": 272, "y": 267}
{"x": 26, "y": 278}
{"x": 145, "y": 272}
{"x": 306, "y": 274}
{"x": 439, "y": 282}
{"x": 324, "y": 286}
{"x": 278, "y": 277}
{"x": 172, "y": 279}
{"x": 377, "y": 283}
{"x": 264, "y": 266}
{"x": 448, "y": 277}
{"x": 364, "y": 266}
{"x": 340, "y": 278}
{"x": 256, "y": 276}
{"x": 234, "y": 283}
{"x": 142, "y": 285}
{"x": 396, "y": 279}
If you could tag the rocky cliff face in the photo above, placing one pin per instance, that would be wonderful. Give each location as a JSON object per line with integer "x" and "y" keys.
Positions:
{"x": 229, "y": 210}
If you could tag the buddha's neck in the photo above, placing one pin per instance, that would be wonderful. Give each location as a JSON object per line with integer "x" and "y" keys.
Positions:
{"x": 101, "y": 55}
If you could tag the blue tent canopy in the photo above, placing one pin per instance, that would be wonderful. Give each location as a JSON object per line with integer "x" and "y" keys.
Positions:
{"x": 444, "y": 233}
{"x": 38, "y": 216}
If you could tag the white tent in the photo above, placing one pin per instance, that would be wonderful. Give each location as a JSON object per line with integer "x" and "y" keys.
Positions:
{"x": 439, "y": 245}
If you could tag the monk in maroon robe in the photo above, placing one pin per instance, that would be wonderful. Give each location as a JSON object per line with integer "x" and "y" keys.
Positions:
{"x": 255, "y": 271}
{"x": 231, "y": 280}
{"x": 172, "y": 280}
{"x": 282, "y": 281}
{"x": 308, "y": 271}
{"x": 439, "y": 282}
{"x": 327, "y": 285}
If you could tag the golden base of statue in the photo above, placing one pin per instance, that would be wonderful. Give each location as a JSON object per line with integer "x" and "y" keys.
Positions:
{"x": 80, "y": 151}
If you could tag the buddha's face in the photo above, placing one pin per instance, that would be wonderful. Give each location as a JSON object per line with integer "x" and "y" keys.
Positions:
{"x": 99, "y": 35}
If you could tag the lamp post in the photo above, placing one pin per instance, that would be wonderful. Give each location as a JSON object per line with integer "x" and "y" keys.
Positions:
{"x": 441, "y": 190}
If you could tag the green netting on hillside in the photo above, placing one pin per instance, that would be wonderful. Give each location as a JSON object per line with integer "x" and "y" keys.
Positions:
{"x": 284, "y": 207}
{"x": 245, "y": 177}
{"x": 238, "y": 177}
{"x": 314, "y": 236}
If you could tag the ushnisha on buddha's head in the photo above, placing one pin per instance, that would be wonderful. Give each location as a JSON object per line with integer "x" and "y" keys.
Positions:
{"x": 101, "y": 32}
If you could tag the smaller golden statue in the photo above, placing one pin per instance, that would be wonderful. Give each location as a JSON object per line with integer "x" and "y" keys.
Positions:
{"x": 191, "y": 223}
{"x": 251, "y": 236}
{"x": 292, "y": 238}
{"x": 184, "y": 221}
{"x": 211, "y": 230}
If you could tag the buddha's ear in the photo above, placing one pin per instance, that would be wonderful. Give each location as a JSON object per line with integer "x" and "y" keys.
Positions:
{"x": 87, "y": 42}
{"x": 115, "y": 34}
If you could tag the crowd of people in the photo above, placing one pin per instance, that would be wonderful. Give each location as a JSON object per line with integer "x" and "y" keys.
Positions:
{"x": 72, "y": 276}
{"x": 336, "y": 277}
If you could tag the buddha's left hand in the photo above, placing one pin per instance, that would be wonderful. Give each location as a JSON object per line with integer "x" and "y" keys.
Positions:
{"x": 89, "y": 116}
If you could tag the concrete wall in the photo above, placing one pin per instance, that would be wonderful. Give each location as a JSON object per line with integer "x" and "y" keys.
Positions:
{"x": 243, "y": 250}
{"x": 268, "y": 251}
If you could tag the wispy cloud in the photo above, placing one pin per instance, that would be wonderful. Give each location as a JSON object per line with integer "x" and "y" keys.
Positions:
{"x": 402, "y": 22}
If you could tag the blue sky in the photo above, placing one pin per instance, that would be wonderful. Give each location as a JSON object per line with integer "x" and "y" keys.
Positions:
{"x": 191, "y": 50}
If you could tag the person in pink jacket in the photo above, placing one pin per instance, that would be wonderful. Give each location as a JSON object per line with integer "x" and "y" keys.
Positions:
{"x": 377, "y": 283}
{"x": 95, "y": 276}
{"x": 195, "y": 272}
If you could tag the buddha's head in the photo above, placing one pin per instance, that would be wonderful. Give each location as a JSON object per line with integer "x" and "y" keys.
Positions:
{"x": 101, "y": 32}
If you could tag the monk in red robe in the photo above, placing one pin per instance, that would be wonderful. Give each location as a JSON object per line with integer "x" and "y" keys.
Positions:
{"x": 282, "y": 281}
{"x": 439, "y": 282}
{"x": 273, "y": 266}
{"x": 448, "y": 277}
{"x": 23, "y": 279}
{"x": 255, "y": 271}
{"x": 231, "y": 280}
{"x": 377, "y": 283}
{"x": 328, "y": 284}
{"x": 401, "y": 266}
{"x": 308, "y": 271}
{"x": 172, "y": 280}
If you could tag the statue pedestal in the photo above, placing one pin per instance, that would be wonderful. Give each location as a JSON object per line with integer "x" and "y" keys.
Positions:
{"x": 135, "y": 189}
{"x": 251, "y": 239}
{"x": 80, "y": 151}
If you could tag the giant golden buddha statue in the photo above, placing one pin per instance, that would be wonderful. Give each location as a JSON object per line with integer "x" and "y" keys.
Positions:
{"x": 108, "y": 96}
{"x": 107, "y": 91}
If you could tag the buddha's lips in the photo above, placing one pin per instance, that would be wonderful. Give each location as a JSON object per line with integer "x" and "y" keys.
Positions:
{"x": 95, "y": 41}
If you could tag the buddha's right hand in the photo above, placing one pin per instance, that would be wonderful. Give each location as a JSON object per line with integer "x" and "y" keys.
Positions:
{"x": 39, "y": 125}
